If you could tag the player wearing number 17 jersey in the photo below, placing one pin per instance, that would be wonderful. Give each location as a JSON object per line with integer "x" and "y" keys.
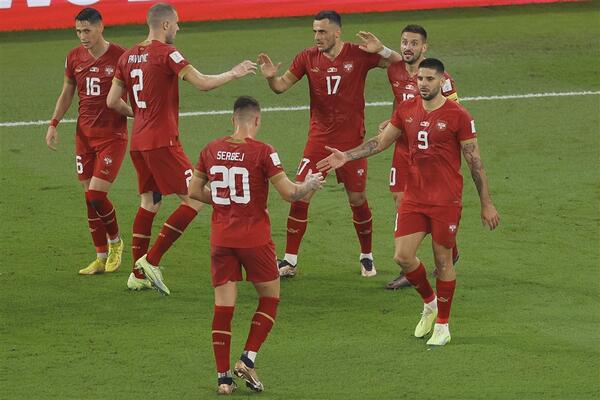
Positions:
{"x": 149, "y": 73}
{"x": 239, "y": 169}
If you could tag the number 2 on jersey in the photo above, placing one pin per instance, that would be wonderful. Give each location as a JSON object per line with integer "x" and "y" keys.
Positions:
{"x": 228, "y": 180}
{"x": 138, "y": 87}
{"x": 333, "y": 83}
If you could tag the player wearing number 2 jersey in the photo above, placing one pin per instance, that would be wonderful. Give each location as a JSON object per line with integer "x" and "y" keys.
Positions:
{"x": 336, "y": 73}
{"x": 101, "y": 134}
{"x": 239, "y": 169}
{"x": 437, "y": 130}
{"x": 149, "y": 73}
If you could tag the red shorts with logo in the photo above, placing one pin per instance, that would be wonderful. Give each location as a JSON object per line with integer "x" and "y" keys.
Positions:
{"x": 259, "y": 262}
{"x": 165, "y": 170}
{"x": 399, "y": 170}
{"x": 100, "y": 157}
{"x": 353, "y": 174}
{"x": 441, "y": 221}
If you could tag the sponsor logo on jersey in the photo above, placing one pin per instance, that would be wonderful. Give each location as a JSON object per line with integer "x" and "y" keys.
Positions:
{"x": 424, "y": 124}
{"x": 396, "y": 84}
{"x": 78, "y": 69}
{"x": 441, "y": 125}
{"x": 176, "y": 56}
{"x": 332, "y": 69}
{"x": 452, "y": 228}
{"x": 409, "y": 120}
{"x": 110, "y": 70}
{"x": 314, "y": 69}
{"x": 107, "y": 161}
{"x": 275, "y": 159}
{"x": 94, "y": 69}
{"x": 348, "y": 66}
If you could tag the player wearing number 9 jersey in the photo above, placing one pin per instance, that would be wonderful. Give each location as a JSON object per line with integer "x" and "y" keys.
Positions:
{"x": 149, "y": 73}
{"x": 101, "y": 134}
{"x": 336, "y": 73}
{"x": 238, "y": 169}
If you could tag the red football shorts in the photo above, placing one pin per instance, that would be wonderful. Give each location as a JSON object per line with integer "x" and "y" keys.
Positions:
{"x": 165, "y": 170}
{"x": 353, "y": 174}
{"x": 259, "y": 262}
{"x": 399, "y": 170}
{"x": 441, "y": 221}
{"x": 100, "y": 157}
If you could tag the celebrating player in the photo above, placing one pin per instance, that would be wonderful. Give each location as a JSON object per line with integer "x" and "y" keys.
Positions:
{"x": 336, "y": 73}
{"x": 403, "y": 80}
{"x": 148, "y": 73}
{"x": 436, "y": 130}
{"x": 101, "y": 134}
{"x": 239, "y": 169}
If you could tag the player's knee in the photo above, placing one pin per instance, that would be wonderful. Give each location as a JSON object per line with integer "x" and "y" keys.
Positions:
{"x": 403, "y": 259}
{"x": 357, "y": 199}
{"x": 443, "y": 265}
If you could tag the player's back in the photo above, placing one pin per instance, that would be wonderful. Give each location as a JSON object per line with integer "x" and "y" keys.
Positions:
{"x": 150, "y": 72}
{"x": 239, "y": 173}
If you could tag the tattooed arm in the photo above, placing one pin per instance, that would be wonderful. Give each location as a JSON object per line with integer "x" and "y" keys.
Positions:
{"x": 291, "y": 191}
{"x": 489, "y": 215}
{"x": 372, "y": 146}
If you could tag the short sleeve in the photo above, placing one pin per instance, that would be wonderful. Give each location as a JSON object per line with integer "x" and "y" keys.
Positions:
{"x": 201, "y": 164}
{"x": 271, "y": 162}
{"x": 466, "y": 127}
{"x": 372, "y": 60}
{"x": 176, "y": 61}
{"x": 119, "y": 72}
{"x": 396, "y": 119}
{"x": 69, "y": 73}
{"x": 298, "y": 67}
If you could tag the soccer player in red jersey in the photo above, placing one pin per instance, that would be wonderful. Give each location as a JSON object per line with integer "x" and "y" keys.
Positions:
{"x": 149, "y": 74}
{"x": 403, "y": 80}
{"x": 100, "y": 135}
{"x": 238, "y": 169}
{"x": 437, "y": 130}
{"x": 336, "y": 73}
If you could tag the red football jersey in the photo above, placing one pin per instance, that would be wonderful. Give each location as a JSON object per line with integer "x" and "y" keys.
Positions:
{"x": 239, "y": 173}
{"x": 149, "y": 72}
{"x": 337, "y": 100}
{"x": 405, "y": 88}
{"x": 434, "y": 138}
{"x": 93, "y": 77}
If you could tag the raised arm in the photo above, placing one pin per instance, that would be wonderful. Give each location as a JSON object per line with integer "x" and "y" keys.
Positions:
{"x": 278, "y": 84}
{"x": 115, "y": 101}
{"x": 372, "y": 44}
{"x": 372, "y": 146}
{"x": 489, "y": 215}
{"x": 198, "y": 189}
{"x": 290, "y": 191}
{"x": 210, "y": 82}
{"x": 62, "y": 106}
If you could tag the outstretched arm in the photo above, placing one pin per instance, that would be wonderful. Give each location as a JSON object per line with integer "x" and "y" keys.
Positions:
{"x": 278, "y": 84}
{"x": 372, "y": 44}
{"x": 115, "y": 101}
{"x": 198, "y": 189}
{"x": 489, "y": 215}
{"x": 210, "y": 82}
{"x": 372, "y": 146}
{"x": 290, "y": 191}
{"x": 62, "y": 106}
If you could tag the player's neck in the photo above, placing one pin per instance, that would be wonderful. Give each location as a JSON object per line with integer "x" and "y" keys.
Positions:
{"x": 435, "y": 103}
{"x": 156, "y": 36}
{"x": 99, "y": 49}
{"x": 413, "y": 68}
{"x": 242, "y": 133}
{"x": 335, "y": 50}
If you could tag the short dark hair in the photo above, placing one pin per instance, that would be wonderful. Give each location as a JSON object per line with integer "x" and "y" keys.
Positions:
{"x": 432, "y": 63}
{"x": 412, "y": 28}
{"x": 246, "y": 103}
{"x": 331, "y": 15}
{"x": 90, "y": 15}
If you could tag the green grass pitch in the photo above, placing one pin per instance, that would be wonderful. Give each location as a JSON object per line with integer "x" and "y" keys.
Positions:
{"x": 525, "y": 320}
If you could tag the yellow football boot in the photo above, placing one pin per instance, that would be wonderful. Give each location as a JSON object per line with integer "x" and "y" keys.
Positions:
{"x": 96, "y": 267}
{"x": 115, "y": 252}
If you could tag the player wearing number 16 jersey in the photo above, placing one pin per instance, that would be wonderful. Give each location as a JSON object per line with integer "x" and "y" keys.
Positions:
{"x": 336, "y": 73}
{"x": 239, "y": 169}
{"x": 101, "y": 134}
{"x": 149, "y": 73}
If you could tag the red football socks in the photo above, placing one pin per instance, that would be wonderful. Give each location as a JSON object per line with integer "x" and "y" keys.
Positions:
{"x": 97, "y": 229}
{"x": 170, "y": 232}
{"x": 445, "y": 292}
{"x": 221, "y": 336}
{"x": 296, "y": 226}
{"x": 105, "y": 211}
{"x": 262, "y": 322}
{"x": 363, "y": 223}
{"x": 418, "y": 278}
{"x": 142, "y": 231}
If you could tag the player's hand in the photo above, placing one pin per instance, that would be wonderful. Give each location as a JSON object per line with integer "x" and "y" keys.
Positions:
{"x": 334, "y": 161}
{"x": 489, "y": 216}
{"x": 314, "y": 181}
{"x": 267, "y": 68}
{"x": 52, "y": 138}
{"x": 244, "y": 68}
{"x": 370, "y": 42}
{"x": 382, "y": 125}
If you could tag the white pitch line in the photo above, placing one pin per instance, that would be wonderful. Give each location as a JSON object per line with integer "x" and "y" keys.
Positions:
{"x": 371, "y": 104}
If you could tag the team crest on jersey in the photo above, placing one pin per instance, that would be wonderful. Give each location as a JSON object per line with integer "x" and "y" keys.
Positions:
{"x": 110, "y": 70}
{"x": 360, "y": 172}
{"x": 348, "y": 66}
{"x": 424, "y": 124}
{"x": 441, "y": 125}
{"x": 107, "y": 161}
{"x": 452, "y": 228}
{"x": 94, "y": 69}
{"x": 410, "y": 87}
{"x": 332, "y": 69}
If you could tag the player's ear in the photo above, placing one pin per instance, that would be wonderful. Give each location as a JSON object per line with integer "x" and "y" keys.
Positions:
{"x": 424, "y": 47}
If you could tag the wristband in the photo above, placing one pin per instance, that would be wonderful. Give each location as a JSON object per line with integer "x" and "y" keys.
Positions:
{"x": 54, "y": 122}
{"x": 385, "y": 53}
